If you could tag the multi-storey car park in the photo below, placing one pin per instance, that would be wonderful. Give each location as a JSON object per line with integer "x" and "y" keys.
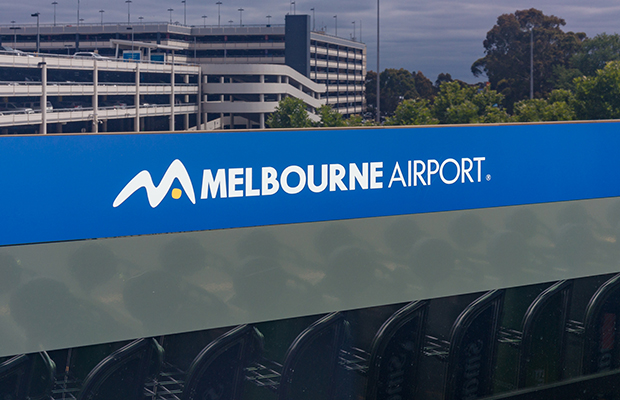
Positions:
{"x": 223, "y": 77}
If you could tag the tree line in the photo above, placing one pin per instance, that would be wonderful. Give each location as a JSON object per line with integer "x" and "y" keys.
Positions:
{"x": 574, "y": 78}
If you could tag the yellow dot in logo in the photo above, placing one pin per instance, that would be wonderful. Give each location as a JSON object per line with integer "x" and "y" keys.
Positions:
{"x": 176, "y": 194}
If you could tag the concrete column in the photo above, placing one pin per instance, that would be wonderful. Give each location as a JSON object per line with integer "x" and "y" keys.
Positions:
{"x": 261, "y": 117}
{"x": 185, "y": 101}
{"x": 201, "y": 118}
{"x": 104, "y": 126}
{"x": 95, "y": 100}
{"x": 136, "y": 101}
{"x": 43, "y": 65}
{"x": 172, "y": 94}
{"x": 338, "y": 75}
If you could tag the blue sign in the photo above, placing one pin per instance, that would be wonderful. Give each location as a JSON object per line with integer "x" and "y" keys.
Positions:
{"x": 90, "y": 186}
{"x": 132, "y": 55}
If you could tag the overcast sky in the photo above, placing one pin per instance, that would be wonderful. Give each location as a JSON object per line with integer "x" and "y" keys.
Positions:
{"x": 429, "y": 36}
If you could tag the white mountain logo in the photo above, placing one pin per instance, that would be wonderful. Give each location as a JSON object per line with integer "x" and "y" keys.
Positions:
{"x": 156, "y": 194}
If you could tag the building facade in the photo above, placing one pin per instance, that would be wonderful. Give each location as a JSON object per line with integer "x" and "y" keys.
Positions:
{"x": 255, "y": 65}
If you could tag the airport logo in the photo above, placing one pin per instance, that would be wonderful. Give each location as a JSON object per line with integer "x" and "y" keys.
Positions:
{"x": 156, "y": 194}
{"x": 294, "y": 179}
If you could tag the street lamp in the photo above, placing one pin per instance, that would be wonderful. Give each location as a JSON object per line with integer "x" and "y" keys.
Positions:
{"x": 54, "y": 3}
{"x": 378, "y": 74}
{"x": 293, "y": 5}
{"x": 101, "y": 12}
{"x": 313, "y": 18}
{"x": 78, "y": 14}
{"x": 14, "y": 28}
{"x": 353, "y": 30}
{"x": 240, "y": 16}
{"x": 184, "y": 12}
{"x": 38, "y": 31}
{"x": 171, "y": 10}
{"x": 141, "y": 19}
{"x": 130, "y": 28}
{"x": 204, "y": 21}
{"x": 219, "y": 3}
{"x": 336, "y": 18}
{"x": 268, "y": 20}
{"x": 128, "y": 14}
{"x": 230, "y": 21}
{"x": 532, "y": 62}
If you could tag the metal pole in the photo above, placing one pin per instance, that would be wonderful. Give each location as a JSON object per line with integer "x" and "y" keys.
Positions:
{"x": 268, "y": 20}
{"x": 43, "y": 100}
{"x": 54, "y": 3}
{"x": 353, "y": 30}
{"x": 171, "y": 10}
{"x": 532, "y": 62}
{"x": 204, "y": 20}
{"x": 101, "y": 11}
{"x": 184, "y": 12}
{"x": 313, "y": 18}
{"x": 128, "y": 13}
{"x": 78, "y": 14}
{"x": 378, "y": 73}
{"x": 240, "y": 17}
{"x": 336, "y": 18}
{"x": 38, "y": 31}
{"x": 219, "y": 3}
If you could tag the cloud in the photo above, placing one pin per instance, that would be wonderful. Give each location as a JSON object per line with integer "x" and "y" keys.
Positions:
{"x": 432, "y": 36}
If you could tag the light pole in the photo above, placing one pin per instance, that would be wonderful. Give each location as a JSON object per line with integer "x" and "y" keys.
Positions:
{"x": 353, "y": 30}
{"x": 240, "y": 16}
{"x": 171, "y": 10}
{"x": 128, "y": 13}
{"x": 184, "y": 12}
{"x": 219, "y": 3}
{"x": 378, "y": 74}
{"x": 230, "y": 21}
{"x": 54, "y": 3}
{"x": 101, "y": 12}
{"x": 293, "y": 4}
{"x": 38, "y": 31}
{"x": 14, "y": 28}
{"x": 130, "y": 28}
{"x": 78, "y": 14}
{"x": 313, "y": 18}
{"x": 141, "y": 19}
{"x": 532, "y": 62}
{"x": 336, "y": 24}
{"x": 204, "y": 21}
{"x": 268, "y": 20}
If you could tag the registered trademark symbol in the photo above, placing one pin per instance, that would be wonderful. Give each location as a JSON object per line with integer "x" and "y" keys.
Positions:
{"x": 488, "y": 177}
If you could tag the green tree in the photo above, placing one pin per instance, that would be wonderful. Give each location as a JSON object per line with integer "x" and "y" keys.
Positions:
{"x": 370, "y": 85}
{"x": 424, "y": 86}
{"x": 396, "y": 86}
{"x": 556, "y": 108}
{"x": 357, "y": 120}
{"x": 290, "y": 113}
{"x": 596, "y": 52}
{"x": 412, "y": 112}
{"x": 459, "y": 104}
{"x": 507, "y": 53}
{"x": 598, "y": 96}
{"x": 330, "y": 117}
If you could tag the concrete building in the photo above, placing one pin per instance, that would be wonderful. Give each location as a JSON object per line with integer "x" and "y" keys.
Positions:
{"x": 244, "y": 70}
